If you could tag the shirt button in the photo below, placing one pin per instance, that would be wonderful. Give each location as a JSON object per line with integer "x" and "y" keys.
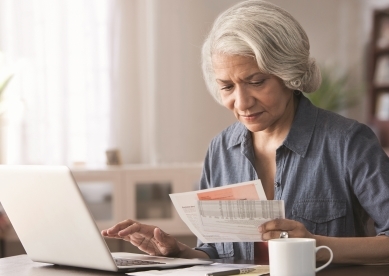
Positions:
{"x": 277, "y": 184}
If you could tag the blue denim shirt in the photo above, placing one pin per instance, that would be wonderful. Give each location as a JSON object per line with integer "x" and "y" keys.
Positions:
{"x": 331, "y": 173}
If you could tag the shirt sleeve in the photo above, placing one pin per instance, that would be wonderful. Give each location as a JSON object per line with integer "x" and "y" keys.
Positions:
{"x": 208, "y": 248}
{"x": 368, "y": 174}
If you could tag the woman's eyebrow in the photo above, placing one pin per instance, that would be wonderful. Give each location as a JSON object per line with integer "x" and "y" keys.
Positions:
{"x": 254, "y": 75}
{"x": 223, "y": 81}
{"x": 250, "y": 77}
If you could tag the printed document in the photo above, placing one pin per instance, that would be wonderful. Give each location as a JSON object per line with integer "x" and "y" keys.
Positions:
{"x": 229, "y": 213}
{"x": 201, "y": 270}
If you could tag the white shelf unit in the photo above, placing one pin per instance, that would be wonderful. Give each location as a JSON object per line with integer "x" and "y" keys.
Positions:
{"x": 129, "y": 180}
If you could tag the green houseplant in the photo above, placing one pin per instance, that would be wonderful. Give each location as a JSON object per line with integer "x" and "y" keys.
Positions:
{"x": 336, "y": 92}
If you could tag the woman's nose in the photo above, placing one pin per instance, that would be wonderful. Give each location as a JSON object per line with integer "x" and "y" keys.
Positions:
{"x": 243, "y": 99}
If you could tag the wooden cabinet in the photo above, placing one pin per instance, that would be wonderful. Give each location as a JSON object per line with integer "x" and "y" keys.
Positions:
{"x": 139, "y": 192}
{"x": 379, "y": 75}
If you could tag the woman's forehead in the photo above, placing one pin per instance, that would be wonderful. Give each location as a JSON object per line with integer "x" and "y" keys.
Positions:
{"x": 223, "y": 63}
{"x": 221, "y": 57}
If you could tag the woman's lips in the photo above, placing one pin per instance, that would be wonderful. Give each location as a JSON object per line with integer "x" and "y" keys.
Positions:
{"x": 251, "y": 117}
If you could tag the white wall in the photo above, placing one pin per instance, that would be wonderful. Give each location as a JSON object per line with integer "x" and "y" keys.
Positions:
{"x": 178, "y": 123}
{"x": 164, "y": 113}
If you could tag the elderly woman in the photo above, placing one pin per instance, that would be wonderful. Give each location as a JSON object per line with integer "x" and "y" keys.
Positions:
{"x": 330, "y": 171}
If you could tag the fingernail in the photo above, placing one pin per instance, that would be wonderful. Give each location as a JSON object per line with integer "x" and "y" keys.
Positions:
{"x": 260, "y": 229}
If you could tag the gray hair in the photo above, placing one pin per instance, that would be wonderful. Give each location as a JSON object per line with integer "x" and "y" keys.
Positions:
{"x": 267, "y": 33}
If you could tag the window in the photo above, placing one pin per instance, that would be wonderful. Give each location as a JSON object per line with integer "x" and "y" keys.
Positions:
{"x": 60, "y": 54}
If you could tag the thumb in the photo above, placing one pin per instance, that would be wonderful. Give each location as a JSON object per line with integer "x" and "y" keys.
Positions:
{"x": 167, "y": 245}
{"x": 159, "y": 235}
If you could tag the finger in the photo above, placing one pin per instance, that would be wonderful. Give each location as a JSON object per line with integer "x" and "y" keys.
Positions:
{"x": 109, "y": 235}
{"x": 129, "y": 230}
{"x": 161, "y": 237}
{"x": 274, "y": 235}
{"x": 139, "y": 228}
{"x": 166, "y": 244}
{"x": 158, "y": 234}
{"x": 114, "y": 230}
{"x": 278, "y": 225}
{"x": 105, "y": 234}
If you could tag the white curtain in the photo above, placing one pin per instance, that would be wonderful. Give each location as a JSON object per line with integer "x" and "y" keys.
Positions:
{"x": 98, "y": 74}
{"x": 61, "y": 55}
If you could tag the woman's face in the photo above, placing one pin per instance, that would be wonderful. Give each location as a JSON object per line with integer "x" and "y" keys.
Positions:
{"x": 260, "y": 101}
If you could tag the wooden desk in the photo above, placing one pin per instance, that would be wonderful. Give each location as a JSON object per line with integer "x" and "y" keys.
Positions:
{"x": 22, "y": 266}
{"x": 334, "y": 269}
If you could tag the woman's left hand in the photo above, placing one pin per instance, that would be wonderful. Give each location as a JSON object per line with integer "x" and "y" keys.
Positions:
{"x": 273, "y": 228}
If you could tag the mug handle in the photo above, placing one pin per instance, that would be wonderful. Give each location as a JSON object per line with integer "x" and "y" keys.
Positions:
{"x": 329, "y": 261}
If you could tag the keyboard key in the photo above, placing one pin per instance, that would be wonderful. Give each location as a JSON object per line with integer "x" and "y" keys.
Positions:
{"x": 130, "y": 262}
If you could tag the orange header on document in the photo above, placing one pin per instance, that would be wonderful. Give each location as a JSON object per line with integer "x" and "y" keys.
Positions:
{"x": 233, "y": 193}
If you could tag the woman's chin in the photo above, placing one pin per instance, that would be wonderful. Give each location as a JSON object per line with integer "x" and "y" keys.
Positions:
{"x": 255, "y": 127}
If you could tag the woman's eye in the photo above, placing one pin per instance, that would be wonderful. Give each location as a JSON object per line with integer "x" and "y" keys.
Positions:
{"x": 227, "y": 88}
{"x": 257, "y": 83}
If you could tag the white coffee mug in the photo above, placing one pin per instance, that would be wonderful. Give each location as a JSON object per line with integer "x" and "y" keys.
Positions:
{"x": 294, "y": 257}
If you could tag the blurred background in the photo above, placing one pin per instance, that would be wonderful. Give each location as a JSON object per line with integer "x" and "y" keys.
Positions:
{"x": 93, "y": 75}
{"x": 79, "y": 78}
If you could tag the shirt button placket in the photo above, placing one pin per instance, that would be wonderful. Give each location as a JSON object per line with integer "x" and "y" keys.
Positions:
{"x": 280, "y": 159}
{"x": 277, "y": 190}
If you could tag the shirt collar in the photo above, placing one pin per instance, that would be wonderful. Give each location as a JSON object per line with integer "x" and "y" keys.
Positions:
{"x": 303, "y": 125}
{"x": 300, "y": 132}
{"x": 239, "y": 135}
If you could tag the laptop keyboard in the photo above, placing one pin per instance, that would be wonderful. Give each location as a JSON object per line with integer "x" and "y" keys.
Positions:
{"x": 130, "y": 262}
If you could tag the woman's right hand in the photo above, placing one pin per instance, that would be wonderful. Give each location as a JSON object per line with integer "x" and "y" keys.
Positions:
{"x": 148, "y": 238}
{"x": 4, "y": 222}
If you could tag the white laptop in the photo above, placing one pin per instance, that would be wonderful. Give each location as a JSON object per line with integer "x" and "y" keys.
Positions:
{"x": 52, "y": 221}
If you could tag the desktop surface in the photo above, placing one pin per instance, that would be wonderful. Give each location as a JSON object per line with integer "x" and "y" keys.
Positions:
{"x": 21, "y": 265}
